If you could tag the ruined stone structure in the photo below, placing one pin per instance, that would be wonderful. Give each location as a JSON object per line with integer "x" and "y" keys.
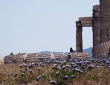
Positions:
{"x": 31, "y": 57}
{"x": 9, "y": 58}
{"x": 96, "y": 25}
{"x": 104, "y": 20}
{"x": 100, "y": 23}
{"x": 83, "y": 22}
{"x": 59, "y": 55}
{"x": 81, "y": 55}
{"x": 46, "y": 55}
{"x": 26, "y": 57}
{"x": 20, "y": 57}
{"x": 78, "y": 55}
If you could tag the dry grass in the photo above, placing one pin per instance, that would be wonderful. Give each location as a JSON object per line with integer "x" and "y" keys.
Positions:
{"x": 97, "y": 76}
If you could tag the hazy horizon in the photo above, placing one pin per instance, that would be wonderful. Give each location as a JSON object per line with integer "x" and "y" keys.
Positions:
{"x": 37, "y": 25}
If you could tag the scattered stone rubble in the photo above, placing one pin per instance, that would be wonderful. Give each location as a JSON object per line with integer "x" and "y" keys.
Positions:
{"x": 33, "y": 57}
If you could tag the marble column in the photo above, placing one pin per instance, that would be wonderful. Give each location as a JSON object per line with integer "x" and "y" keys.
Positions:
{"x": 79, "y": 44}
{"x": 104, "y": 20}
{"x": 96, "y": 25}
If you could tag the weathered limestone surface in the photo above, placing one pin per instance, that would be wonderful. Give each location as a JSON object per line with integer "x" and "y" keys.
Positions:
{"x": 79, "y": 46}
{"x": 45, "y": 55}
{"x": 104, "y": 20}
{"x": 101, "y": 29}
{"x": 20, "y": 57}
{"x": 96, "y": 25}
{"x": 9, "y": 58}
{"x": 81, "y": 55}
{"x": 101, "y": 49}
{"x": 86, "y": 21}
{"x": 60, "y": 55}
{"x": 85, "y": 18}
{"x": 31, "y": 57}
{"x": 83, "y": 22}
{"x": 96, "y": 29}
{"x": 107, "y": 47}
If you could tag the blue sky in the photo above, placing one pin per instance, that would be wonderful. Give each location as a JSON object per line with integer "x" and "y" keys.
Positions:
{"x": 38, "y": 25}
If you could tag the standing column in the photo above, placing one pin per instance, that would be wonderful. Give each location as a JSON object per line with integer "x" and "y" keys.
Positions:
{"x": 96, "y": 25}
{"x": 104, "y": 20}
{"x": 79, "y": 46}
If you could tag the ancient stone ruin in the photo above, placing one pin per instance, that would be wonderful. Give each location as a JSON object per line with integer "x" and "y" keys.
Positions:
{"x": 100, "y": 23}
{"x": 33, "y": 57}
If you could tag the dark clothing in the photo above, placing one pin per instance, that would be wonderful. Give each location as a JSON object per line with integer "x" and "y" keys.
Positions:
{"x": 71, "y": 50}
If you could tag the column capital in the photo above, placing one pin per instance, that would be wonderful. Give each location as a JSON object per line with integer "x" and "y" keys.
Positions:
{"x": 78, "y": 24}
{"x": 96, "y": 11}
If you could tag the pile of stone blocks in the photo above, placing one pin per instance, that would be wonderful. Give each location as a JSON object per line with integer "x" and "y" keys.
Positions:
{"x": 45, "y": 55}
{"x": 20, "y": 57}
{"x": 101, "y": 49}
{"x": 9, "y": 58}
{"x": 31, "y": 57}
{"x": 81, "y": 55}
{"x": 59, "y": 55}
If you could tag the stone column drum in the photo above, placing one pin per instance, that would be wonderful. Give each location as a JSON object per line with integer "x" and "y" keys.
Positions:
{"x": 79, "y": 45}
{"x": 96, "y": 25}
{"x": 104, "y": 20}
